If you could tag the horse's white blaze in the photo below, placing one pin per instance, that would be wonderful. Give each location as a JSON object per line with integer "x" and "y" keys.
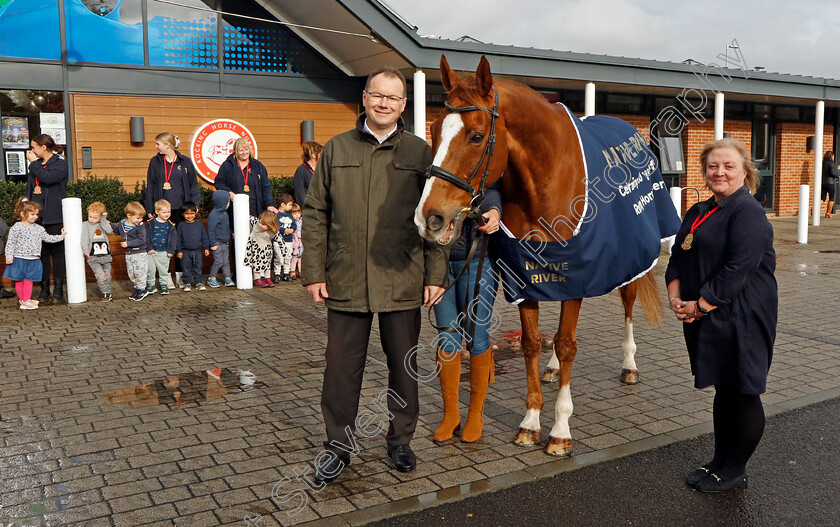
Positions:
{"x": 553, "y": 363}
{"x": 629, "y": 345}
{"x": 452, "y": 124}
{"x": 531, "y": 421}
{"x": 562, "y": 411}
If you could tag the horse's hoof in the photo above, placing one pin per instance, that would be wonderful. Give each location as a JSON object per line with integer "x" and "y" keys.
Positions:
{"x": 550, "y": 375}
{"x": 630, "y": 376}
{"x": 527, "y": 437}
{"x": 559, "y": 446}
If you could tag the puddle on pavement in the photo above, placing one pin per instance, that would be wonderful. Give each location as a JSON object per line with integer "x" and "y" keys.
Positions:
{"x": 192, "y": 388}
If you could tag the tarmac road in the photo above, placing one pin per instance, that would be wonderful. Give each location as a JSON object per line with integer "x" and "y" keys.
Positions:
{"x": 793, "y": 482}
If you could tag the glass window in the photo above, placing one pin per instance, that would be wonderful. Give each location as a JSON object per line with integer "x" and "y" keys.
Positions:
{"x": 763, "y": 146}
{"x": 104, "y": 31}
{"x": 671, "y": 155}
{"x": 20, "y": 120}
{"x": 787, "y": 113}
{"x": 183, "y": 37}
{"x": 625, "y": 103}
{"x": 18, "y": 22}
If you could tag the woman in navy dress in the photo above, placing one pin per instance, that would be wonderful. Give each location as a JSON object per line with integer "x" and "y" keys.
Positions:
{"x": 721, "y": 285}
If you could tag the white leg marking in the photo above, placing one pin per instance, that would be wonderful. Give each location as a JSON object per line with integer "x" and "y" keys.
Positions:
{"x": 629, "y": 346}
{"x": 452, "y": 124}
{"x": 562, "y": 411}
{"x": 553, "y": 364}
{"x": 531, "y": 421}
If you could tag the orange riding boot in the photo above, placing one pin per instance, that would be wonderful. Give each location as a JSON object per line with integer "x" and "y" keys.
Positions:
{"x": 450, "y": 378}
{"x": 481, "y": 375}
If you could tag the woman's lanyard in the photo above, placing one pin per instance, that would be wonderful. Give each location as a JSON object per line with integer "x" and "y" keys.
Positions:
{"x": 167, "y": 174}
{"x": 311, "y": 171}
{"x": 246, "y": 171}
{"x": 698, "y": 221}
{"x": 37, "y": 189}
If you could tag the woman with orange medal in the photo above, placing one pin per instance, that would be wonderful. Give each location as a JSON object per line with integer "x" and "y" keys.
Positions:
{"x": 47, "y": 185}
{"x": 242, "y": 173}
{"x": 721, "y": 285}
{"x": 171, "y": 176}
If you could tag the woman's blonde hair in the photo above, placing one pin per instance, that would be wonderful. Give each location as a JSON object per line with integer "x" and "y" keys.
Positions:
{"x": 240, "y": 142}
{"x": 168, "y": 138}
{"x": 746, "y": 160}
{"x": 269, "y": 219}
{"x": 25, "y": 206}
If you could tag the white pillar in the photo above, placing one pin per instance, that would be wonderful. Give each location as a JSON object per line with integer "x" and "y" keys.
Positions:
{"x": 71, "y": 215}
{"x": 818, "y": 148}
{"x": 718, "y": 116}
{"x": 589, "y": 99}
{"x": 802, "y": 224}
{"x": 420, "y": 104}
{"x": 241, "y": 231}
{"x": 676, "y": 199}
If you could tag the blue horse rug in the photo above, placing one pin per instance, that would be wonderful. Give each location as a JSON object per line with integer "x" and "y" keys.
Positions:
{"x": 619, "y": 223}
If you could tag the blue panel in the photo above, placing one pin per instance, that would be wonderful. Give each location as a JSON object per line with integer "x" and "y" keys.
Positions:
{"x": 19, "y": 19}
{"x": 97, "y": 34}
{"x": 183, "y": 39}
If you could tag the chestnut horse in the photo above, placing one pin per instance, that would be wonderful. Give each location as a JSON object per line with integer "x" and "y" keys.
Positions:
{"x": 537, "y": 150}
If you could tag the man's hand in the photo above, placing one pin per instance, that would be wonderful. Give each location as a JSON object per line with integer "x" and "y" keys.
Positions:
{"x": 180, "y": 255}
{"x": 214, "y": 248}
{"x": 152, "y": 251}
{"x": 318, "y": 291}
{"x": 123, "y": 244}
{"x": 432, "y": 295}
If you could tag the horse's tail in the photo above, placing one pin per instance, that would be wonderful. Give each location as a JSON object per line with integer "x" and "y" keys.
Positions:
{"x": 648, "y": 293}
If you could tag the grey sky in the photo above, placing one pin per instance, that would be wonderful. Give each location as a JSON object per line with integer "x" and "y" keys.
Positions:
{"x": 801, "y": 37}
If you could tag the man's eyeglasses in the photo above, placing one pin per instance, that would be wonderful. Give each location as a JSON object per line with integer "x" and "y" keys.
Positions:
{"x": 376, "y": 97}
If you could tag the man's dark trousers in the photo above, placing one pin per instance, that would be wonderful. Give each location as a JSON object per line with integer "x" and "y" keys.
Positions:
{"x": 347, "y": 341}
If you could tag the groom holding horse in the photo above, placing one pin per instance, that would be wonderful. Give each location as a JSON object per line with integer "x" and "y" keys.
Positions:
{"x": 364, "y": 256}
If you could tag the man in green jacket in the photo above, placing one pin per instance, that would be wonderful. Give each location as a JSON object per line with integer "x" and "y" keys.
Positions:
{"x": 364, "y": 255}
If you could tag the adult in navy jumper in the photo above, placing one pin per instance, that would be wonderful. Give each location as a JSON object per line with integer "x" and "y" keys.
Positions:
{"x": 47, "y": 185}
{"x": 171, "y": 176}
{"x": 232, "y": 175}
{"x": 241, "y": 169}
{"x": 192, "y": 238}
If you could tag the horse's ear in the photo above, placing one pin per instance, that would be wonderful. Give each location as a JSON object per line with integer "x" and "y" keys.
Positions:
{"x": 483, "y": 77}
{"x": 448, "y": 78}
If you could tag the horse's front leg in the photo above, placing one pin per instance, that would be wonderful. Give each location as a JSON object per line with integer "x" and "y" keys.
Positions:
{"x": 529, "y": 428}
{"x": 565, "y": 347}
{"x": 629, "y": 371}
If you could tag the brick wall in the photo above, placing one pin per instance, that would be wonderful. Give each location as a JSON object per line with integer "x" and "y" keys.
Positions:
{"x": 795, "y": 166}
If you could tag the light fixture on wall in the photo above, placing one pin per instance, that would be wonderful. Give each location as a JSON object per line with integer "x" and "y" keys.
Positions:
{"x": 138, "y": 133}
{"x": 307, "y": 131}
{"x": 809, "y": 143}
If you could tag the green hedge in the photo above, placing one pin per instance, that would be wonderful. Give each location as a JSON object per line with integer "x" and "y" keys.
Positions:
{"x": 111, "y": 192}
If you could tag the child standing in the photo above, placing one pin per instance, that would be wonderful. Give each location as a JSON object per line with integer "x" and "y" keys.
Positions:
{"x": 297, "y": 242}
{"x": 23, "y": 251}
{"x": 192, "y": 238}
{"x": 96, "y": 248}
{"x": 283, "y": 240}
{"x": 164, "y": 244}
{"x": 258, "y": 251}
{"x": 218, "y": 231}
{"x": 135, "y": 240}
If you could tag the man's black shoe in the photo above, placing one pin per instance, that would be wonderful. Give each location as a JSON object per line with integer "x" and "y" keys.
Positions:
{"x": 402, "y": 457}
{"x": 330, "y": 468}
{"x": 5, "y": 293}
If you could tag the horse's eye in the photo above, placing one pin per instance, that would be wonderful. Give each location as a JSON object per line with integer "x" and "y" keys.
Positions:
{"x": 477, "y": 138}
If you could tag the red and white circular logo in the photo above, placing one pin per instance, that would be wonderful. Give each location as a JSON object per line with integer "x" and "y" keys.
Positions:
{"x": 213, "y": 142}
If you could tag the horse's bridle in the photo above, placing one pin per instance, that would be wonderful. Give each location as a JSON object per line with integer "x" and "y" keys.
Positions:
{"x": 438, "y": 172}
{"x": 473, "y": 212}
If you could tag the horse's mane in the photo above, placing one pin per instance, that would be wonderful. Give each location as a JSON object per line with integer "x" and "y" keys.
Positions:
{"x": 471, "y": 91}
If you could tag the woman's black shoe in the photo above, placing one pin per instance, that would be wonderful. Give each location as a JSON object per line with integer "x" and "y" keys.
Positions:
{"x": 712, "y": 483}
{"x": 5, "y": 293}
{"x": 698, "y": 474}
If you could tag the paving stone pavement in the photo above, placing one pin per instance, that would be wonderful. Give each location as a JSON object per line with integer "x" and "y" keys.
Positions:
{"x": 175, "y": 446}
